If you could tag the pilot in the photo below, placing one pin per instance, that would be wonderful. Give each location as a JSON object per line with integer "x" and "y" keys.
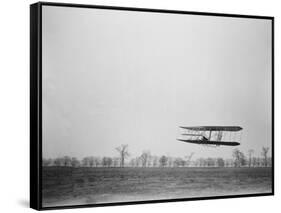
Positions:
{"x": 204, "y": 138}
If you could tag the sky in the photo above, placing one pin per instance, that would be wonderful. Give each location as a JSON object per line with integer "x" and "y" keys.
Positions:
{"x": 123, "y": 77}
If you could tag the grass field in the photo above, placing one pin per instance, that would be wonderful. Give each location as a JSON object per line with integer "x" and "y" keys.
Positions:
{"x": 75, "y": 186}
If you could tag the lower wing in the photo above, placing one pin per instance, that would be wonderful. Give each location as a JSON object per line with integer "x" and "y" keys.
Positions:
{"x": 211, "y": 142}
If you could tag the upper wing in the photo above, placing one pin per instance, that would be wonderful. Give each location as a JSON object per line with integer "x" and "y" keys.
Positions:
{"x": 213, "y": 128}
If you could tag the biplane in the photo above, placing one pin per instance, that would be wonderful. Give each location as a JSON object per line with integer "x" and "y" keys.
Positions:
{"x": 212, "y": 135}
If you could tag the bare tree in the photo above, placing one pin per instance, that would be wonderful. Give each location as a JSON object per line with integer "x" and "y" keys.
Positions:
{"x": 132, "y": 162}
{"x": 211, "y": 162}
{"x": 250, "y": 154}
{"x": 46, "y": 162}
{"x": 239, "y": 158}
{"x": 58, "y": 162}
{"x": 154, "y": 161}
{"x": 66, "y": 161}
{"x": 170, "y": 161}
{"x": 138, "y": 161}
{"x": 106, "y": 161}
{"x": 145, "y": 158}
{"x": 254, "y": 162}
{"x": 123, "y": 152}
{"x": 97, "y": 161}
{"x": 115, "y": 161}
{"x": 85, "y": 161}
{"x": 188, "y": 158}
{"x": 201, "y": 162}
{"x": 163, "y": 161}
{"x": 228, "y": 162}
{"x": 179, "y": 162}
{"x": 269, "y": 161}
{"x": 220, "y": 162}
{"x": 149, "y": 161}
{"x": 75, "y": 162}
{"x": 264, "y": 154}
{"x": 91, "y": 161}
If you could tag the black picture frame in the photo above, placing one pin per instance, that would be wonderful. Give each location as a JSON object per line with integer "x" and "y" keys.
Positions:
{"x": 36, "y": 101}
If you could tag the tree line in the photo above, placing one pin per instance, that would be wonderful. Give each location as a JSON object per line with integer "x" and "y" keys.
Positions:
{"x": 146, "y": 159}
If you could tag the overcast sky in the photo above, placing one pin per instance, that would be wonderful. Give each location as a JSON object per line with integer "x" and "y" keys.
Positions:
{"x": 122, "y": 77}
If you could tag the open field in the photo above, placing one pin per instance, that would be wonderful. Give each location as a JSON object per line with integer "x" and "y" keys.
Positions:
{"x": 76, "y": 186}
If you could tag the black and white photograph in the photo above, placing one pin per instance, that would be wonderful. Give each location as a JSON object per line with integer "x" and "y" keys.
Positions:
{"x": 154, "y": 106}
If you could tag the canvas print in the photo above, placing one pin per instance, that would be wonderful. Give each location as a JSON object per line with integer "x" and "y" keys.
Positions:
{"x": 142, "y": 106}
